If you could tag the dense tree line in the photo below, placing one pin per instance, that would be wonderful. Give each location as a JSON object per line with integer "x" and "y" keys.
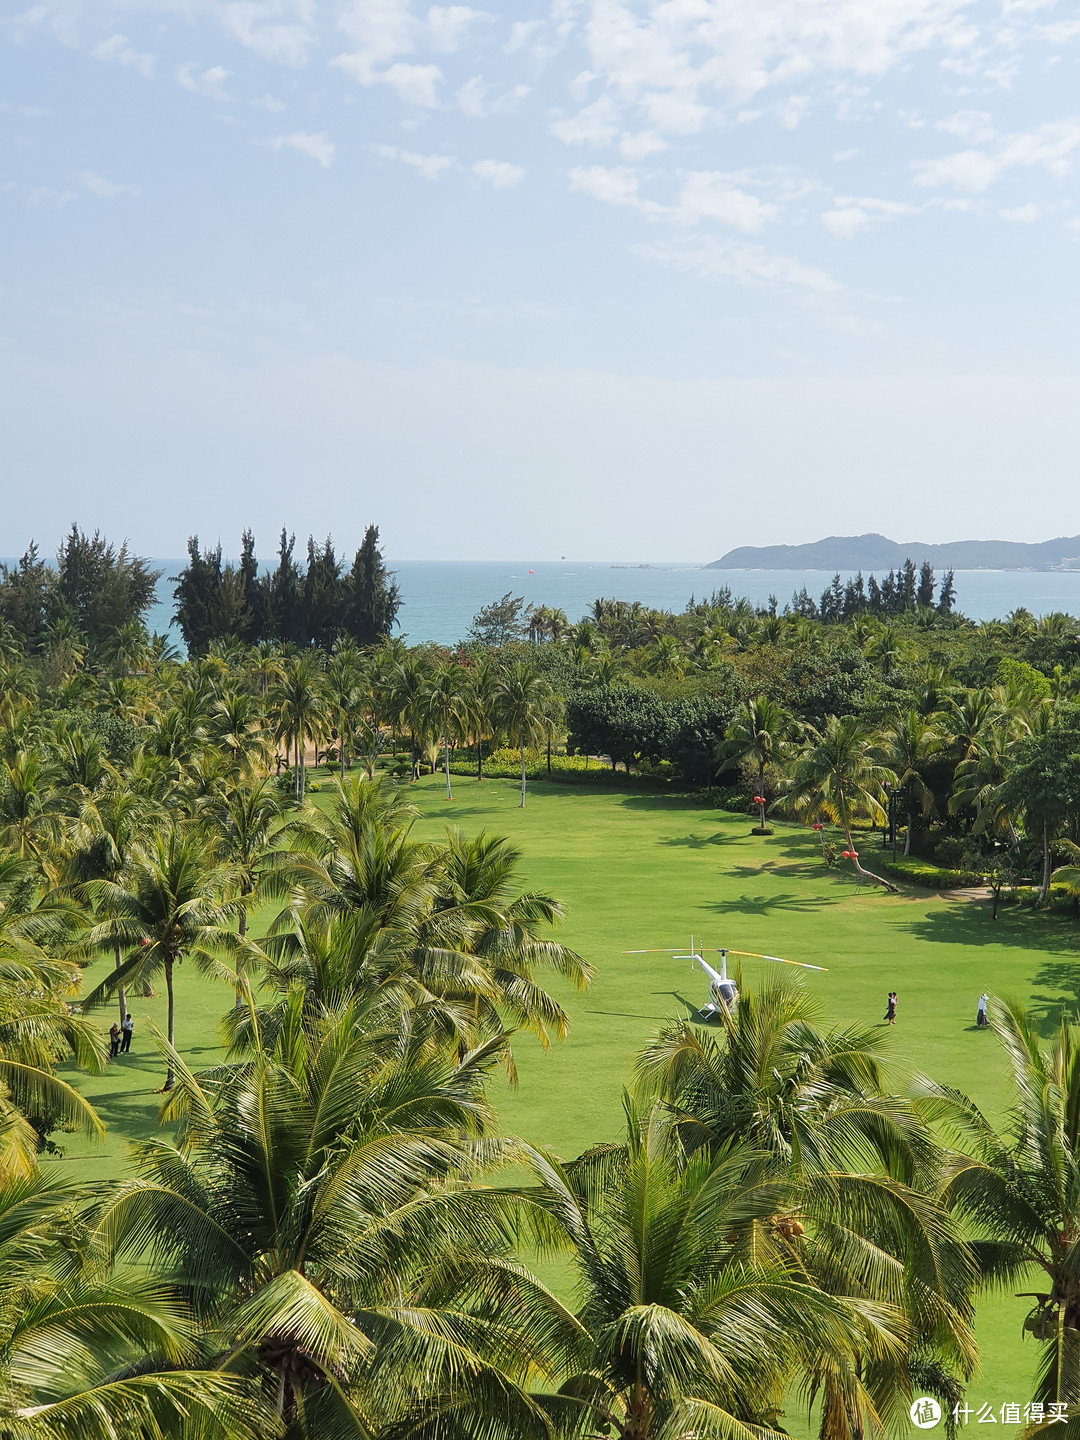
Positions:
{"x": 300, "y": 605}
{"x": 900, "y": 592}
{"x": 94, "y": 593}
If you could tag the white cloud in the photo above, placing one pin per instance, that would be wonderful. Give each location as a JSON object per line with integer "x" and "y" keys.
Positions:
{"x": 852, "y": 216}
{"x": 384, "y": 30}
{"x": 617, "y": 185}
{"x": 428, "y": 166}
{"x": 448, "y": 25}
{"x": 499, "y": 173}
{"x": 45, "y": 197}
{"x": 210, "y": 84}
{"x": 270, "y": 103}
{"x": 474, "y": 98}
{"x": 708, "y": 195}
{"x": 975, "y": 126}
{"x": 1023, "y": 214}
{"x": 714, "y": 259}
{"x": 119, "y": 50}
{"x": 319, "y": 146}
{"x": 597, "y": 124}
{"x": 1048, "y": 146}
{"x": 677, "y": 59}
{"x": 278, "y": 30}
{"x": 638, "y": 147}
{"x": 521, "y": 33}
{"x": 104, "y": 189}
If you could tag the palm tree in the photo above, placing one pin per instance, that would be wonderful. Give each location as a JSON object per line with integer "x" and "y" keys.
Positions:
{"x": 693, "y": 1321}
{"x": 298, "y": 702}
{"x": 237, "y": 722}
{"x": 344, "y": 684}
{"x": 763, "y": 732}
{"x": 840, "y": 777}
{"x": 480, "y": 910}
{"x": 1019, "y": 1188}
{"x": 29, "y": 806}
{"x": 87, "y": 1355}
{"x": 863, "y": 1215}
{"x": 482, "y": 702}
{"x": 335, "y": 1251}
{"x": 909, "y": 747}
{"x": 524, "y": 698}
{"x": 447, "y": 708}
{"x": 248, "y": 817}
{"x": 169, "y": 906}
{"x": 38, "y": 1025}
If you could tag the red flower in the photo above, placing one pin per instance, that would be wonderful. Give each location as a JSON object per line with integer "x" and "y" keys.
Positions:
{"x": 846, "y": 854}
{"x": 759, "y": 799}
{"x": 817, "y": 826}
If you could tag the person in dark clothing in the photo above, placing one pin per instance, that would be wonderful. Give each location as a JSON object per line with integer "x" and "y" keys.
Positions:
{"x": 114, "y": 1040}
{"x": 890, "y": 1009}
{"x": 127, "y": 1027}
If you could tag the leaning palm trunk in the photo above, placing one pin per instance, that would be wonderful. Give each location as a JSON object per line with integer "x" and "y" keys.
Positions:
{"x": 446, "y": 757}
{"x": 170, "y": 1073}
{"x": 121, "y": 992}
{"x": 522, "y": 805}
{"x": 866, "y": 874}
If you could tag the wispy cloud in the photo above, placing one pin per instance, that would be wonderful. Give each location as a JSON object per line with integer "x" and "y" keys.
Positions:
{"x": 499, "y": 174}
{"x": 318, "y": 146}
{"x": 209, "y": 83}
{"x": 119, "y": 50}
{"x": 102, "y": 188}
{"x": 430, "y": 167}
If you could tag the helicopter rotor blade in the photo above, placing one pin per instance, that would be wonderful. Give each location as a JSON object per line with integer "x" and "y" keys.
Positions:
{"x": 779, "y": 960}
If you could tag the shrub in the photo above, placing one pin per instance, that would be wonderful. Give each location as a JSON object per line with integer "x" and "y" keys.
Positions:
{"x": 924, "y": 872}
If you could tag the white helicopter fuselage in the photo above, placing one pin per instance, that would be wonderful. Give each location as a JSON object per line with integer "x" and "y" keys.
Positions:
{"x": 724, "y": 992}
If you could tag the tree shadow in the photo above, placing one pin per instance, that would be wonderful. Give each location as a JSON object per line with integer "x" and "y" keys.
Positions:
{"x": 764, "y": 904}
{"x": 969, "y": 922}
{"x": 694, "y": 842}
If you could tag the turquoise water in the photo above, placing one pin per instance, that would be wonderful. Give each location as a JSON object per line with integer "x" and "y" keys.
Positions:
{"x": 440, "y": 597}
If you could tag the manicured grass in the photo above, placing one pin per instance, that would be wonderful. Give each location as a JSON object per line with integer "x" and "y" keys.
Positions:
{"x": 638, "y": 870}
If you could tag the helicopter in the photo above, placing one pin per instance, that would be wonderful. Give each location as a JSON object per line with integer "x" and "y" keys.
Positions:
{"x": 723, "y": 992}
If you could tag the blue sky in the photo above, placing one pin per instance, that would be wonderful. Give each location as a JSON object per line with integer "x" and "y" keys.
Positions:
{"x": 604, "y": 278}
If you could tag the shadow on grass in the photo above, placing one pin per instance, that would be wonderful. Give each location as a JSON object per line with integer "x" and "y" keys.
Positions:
{"x": 694, "y": 842}
{"x": 765, "y": 904}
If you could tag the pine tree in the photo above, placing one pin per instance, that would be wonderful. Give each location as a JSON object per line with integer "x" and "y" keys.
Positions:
{"x": 924, "y": 595}
{"x": 325, "y": 595}
{"x": 256, "y": 591}
{"x": 26, "y": 598}
{"x": 947, "y": 594}
{"x": 374, "y": 599}
{"x": 286, "y": 597}
{"x": 197, "y": 596}
{"x": 101, "y": 588}
{"x": 907, "y": 586}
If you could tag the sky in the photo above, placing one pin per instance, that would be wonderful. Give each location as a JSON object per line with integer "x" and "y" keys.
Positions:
{"x": 627, "y": 279}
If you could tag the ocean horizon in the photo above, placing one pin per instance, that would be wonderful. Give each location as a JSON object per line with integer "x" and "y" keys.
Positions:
{"x": 440, "y": 597}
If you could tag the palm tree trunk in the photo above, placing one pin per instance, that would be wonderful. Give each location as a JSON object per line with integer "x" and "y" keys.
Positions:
{"x": 1044, "y": 889}
{"x": 446, "y": 754}
{"x": 121, "y": 993}
{"x": 242, "y": 931}
{"x": 867, "y": 874}
{"x": 341, "y": 748}
{"x": 170, "y": 1076}
{"x": 479, "y": 757}
{"x": 522, "y": 805}
{"x": 910, "y": 828}
{"x": 549, "y": 756}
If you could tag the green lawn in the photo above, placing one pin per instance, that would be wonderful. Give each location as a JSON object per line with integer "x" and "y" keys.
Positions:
{"x": 639, "y": 870}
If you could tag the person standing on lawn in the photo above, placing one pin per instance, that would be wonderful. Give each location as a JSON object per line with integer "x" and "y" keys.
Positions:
{"x": 890, "y": 1009}
{"x": 127, "y": 1027}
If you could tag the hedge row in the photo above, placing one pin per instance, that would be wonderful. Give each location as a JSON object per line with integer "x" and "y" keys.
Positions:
{"x": 924, "y": 872}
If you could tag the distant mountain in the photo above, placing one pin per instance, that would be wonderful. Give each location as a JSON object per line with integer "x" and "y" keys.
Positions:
{"x": 877, "y": 552}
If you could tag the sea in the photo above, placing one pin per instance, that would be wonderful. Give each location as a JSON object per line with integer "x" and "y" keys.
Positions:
{"x": 440, "y": 597}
